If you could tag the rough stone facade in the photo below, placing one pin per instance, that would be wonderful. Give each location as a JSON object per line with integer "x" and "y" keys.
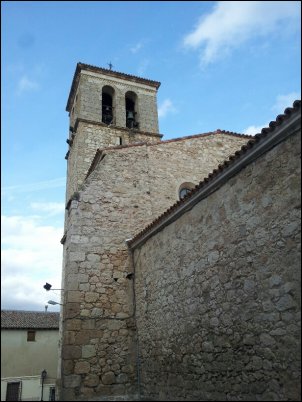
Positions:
{"x": 88, "y": 132}
{"x": 126, "y": 188}
{"x": 117, "y": 200}
{"x": 218, "y": 306}
{"x": 155, "y": 332}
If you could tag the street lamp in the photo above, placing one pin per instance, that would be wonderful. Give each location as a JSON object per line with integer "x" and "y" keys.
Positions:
{"x": 53, "y": 302}
{"x": 43, "y": 376}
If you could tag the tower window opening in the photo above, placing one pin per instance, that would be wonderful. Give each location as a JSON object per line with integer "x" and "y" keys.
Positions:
{"x": 131, "y": 104}
{"x": 107, "y": 105}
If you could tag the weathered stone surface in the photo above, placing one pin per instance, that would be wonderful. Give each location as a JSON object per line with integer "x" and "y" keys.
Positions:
{"x": 92, "y": 380}
{"x": 108, "y": 378}
{"x": 91, "y": 297}
{"x": 121, "y": 378}
{"x": 71, "y": 381}
{"x": 88, "y": 351}
{"x": 254, "y": 301}
{"x": 71, "y": 352}
{"x": 216, "y": 308}
{"x": 82, "y": 367}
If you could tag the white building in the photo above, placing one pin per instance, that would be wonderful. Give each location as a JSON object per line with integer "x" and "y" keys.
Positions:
{"x": 29, "y": 352}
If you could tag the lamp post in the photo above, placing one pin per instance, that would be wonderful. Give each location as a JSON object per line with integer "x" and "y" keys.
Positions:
{"x": 43, "y": 376}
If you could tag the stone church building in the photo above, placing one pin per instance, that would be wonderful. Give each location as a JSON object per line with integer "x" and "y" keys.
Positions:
{"x": 181, "y": 266}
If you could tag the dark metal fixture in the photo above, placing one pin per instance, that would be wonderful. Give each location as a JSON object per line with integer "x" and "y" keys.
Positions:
{"x": 43, "y": 376}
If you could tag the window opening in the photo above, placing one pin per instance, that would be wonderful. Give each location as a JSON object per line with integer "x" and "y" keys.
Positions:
{"x": 107, "y": 105}
{"x": 131, "y": 120}
{"x": 183, "y": 192}
{"x": 13, "y": 391}
{"x": 184, "y": 189}
{"x": 31, "y": 336}
{"x": 52, "y": 393}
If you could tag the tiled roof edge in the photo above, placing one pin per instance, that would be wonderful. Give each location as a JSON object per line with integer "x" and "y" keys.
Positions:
{"x": 82, "y": 66}
{"x": 252, "y": 150}
{"x": 218, "y": 131}
{"x": 25, "y": 319}
{"x": 139, "y": 144}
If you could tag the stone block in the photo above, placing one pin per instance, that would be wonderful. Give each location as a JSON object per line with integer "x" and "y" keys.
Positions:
{"x": 72, "y": 381}
{"x": 88, "y": 351}
{"x": 74, "y": 296}
{"x": 81, "y": 367}
{"x": 71, "y": 352}
{"x": 91, "y": 297}
{"x": 76, "y": 256}
{"x": 108, "y": 378}
{"x": 91, "y": 380}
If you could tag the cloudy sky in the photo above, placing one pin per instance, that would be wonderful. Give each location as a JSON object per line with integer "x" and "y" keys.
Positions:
{"x": 228, "y": 65}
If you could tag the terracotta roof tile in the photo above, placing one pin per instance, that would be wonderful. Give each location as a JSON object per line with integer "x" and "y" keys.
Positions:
{"x": 20, "y": 319}
{"x": 222, "y": 167}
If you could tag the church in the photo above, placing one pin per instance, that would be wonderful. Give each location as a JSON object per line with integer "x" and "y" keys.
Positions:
{"x": 181, "y": 261}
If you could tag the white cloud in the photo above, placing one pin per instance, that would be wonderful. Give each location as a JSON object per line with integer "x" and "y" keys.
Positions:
{"x": 51, "y": 208}
{"x": 284, "y": 101}
{"x": 136, "y": 48}
{"x": 165, "y": 108}
{"x": 231, "y": 23}
{"x": 25, "y": 84}
{"x": 31, "y": 255}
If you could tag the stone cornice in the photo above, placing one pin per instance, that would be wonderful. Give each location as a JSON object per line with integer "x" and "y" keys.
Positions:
{"x": 100, "y": 124}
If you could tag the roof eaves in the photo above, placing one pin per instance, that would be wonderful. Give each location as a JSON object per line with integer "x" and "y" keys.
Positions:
{"x": 254, "y": 148}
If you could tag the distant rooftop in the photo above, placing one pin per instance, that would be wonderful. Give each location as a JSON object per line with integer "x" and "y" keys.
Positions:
{"x": 20, "y": 319}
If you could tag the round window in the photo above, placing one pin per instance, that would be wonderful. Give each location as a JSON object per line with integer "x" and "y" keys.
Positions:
{"x": 183, "y": 192}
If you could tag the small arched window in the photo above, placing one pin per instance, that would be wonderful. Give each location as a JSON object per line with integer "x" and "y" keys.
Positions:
{"x": 107, "y": 104}
{"x": 131, "y": 109}
{"x": 184, "y": 189}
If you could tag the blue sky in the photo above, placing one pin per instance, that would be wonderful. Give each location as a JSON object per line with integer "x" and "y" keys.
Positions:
{"x": 228, "y": 65}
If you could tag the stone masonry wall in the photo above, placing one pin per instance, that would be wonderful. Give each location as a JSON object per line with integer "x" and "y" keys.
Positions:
{"x": 218, "y": 291}
{"x": 172, "y": 163}
{"x": 98, "y": 352}
{"x": 89, "y": 100}
{"x": 127, "y": 190}
{"x": 88, "y": 138}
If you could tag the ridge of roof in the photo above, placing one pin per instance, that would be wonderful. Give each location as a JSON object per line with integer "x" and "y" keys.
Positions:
{"x": 218, "y": 131}
{"x": 280, "y": 119}
{"x": 88, "y": 67}
{"x": 138, "y": 144}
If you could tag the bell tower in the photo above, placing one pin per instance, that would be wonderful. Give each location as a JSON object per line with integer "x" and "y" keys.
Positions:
{"x": 106, "y": 108}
